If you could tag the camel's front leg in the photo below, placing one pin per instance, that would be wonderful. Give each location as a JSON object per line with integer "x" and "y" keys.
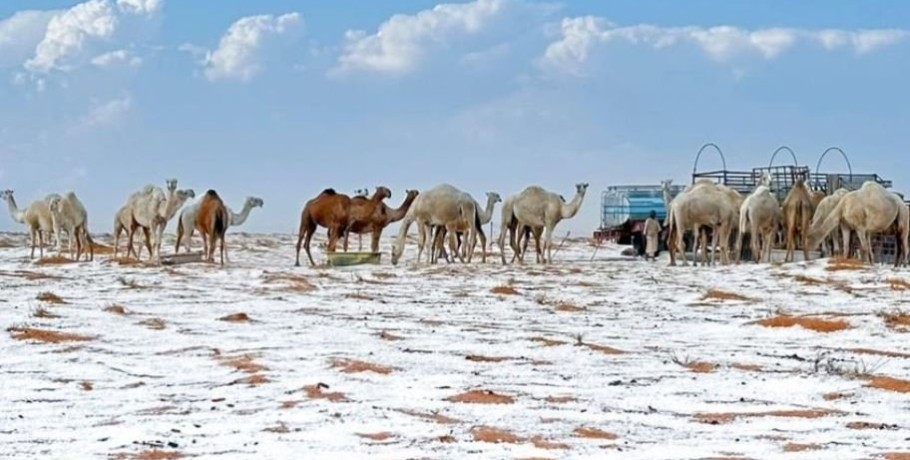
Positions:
{"x": 548, "y": 244}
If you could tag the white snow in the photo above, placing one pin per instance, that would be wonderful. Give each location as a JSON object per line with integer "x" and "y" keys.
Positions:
{"x": 151, "y": 387}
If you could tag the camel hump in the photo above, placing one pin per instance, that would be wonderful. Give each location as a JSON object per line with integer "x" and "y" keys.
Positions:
{"x": 211, "y": 194}
{"x": 329, "y": 191}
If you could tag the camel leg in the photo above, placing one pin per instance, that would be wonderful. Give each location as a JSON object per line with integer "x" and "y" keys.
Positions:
{"x": 714, "y": 237}
{"x": 845, "y": 239}
{"x": 739, "y": 246}
{"x": 375, "y": 238}
{"x": 548, "y": 244}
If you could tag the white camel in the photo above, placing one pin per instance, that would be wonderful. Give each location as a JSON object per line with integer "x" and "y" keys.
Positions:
{"x": 825, "y": 207}
{"x": 759, "y": 215}
{"x": 869, "y": 210}
{"x": 37, "y": 217}
{"x": 187, "y": 221}
{"x": 484, "y": 216}
{"x": 150, "y": 209}
{"x": 535, "y": 207}
{"x": 702, "y": 204}
{"x": 69, "y": 214}
{"x": 443, "y": 205}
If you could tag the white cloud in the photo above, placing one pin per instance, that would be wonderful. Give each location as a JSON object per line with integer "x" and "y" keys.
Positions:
{"x": 237, "y": 56}
{"x": 403, "y": 41}
{"x": 115, "y": 58}
{"x": 140, "y": 6}
{"x": 107, "y": 113}
{"x": 70, "y": 32}
{"x": 20, "y": 33}
{"x": 581, "y": 35}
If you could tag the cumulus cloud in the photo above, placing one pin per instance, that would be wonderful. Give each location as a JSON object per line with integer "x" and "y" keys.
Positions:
{"x": 118, "y": 57}
{"x": 106, "y": 113}
{"x": 581, "y": 35}
{"x": 238, "y": 54}
{"x": 20, "y": 33}
{"x": 71, "y": 31}
{"x": 403, "y": 41}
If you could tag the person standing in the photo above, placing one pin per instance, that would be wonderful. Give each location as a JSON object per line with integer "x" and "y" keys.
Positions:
{"x": 652, "y": 233}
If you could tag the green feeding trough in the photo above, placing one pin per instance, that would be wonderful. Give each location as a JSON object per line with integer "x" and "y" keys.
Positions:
{"x": 344, "y": 259}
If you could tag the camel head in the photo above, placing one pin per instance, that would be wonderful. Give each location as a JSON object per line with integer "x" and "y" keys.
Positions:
{"x": 54, "y": 204}
{"x": 382, "y": 193}
{"x": 766, "y": 179}
{"x": 362, "y": 192}
{"x": 494, "y": 197}
{"x": 186, "y": 194}
{"x": 581, "y": 188}
{"x": 254, "y": 202}
{"x": 171, "y": 185}
{"x": 665, "y": 184}
{"x": 410, "y": 195}
{"x": 6, "y": 195}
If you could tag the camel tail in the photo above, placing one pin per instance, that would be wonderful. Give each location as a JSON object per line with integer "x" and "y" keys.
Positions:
{"x": 220, "y": 225}
{"x": 820, "y": 230}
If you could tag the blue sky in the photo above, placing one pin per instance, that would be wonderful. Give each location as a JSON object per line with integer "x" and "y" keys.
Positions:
{"x": 280, "y": 99}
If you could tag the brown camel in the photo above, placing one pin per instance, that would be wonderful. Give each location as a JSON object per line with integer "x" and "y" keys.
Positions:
{"x": 798, "y": 210}
{"x": 212, "y": 222}
{"x": 373, "y": 221}
{"x": 329, "y": 209}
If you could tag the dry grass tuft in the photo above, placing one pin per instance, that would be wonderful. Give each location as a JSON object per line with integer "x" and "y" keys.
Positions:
{"x": 601, "y": 348}
{"x": 126, "y": 261}
{"x": 494, "y": 435}
{"x": 504, "y": 290}
{"x": 481, "y": 397}
{"x": 315, "y": 392}
{"x": 116, "y": 309}
{"x": 281, "y": 428}
{"x": 156, "y": 324}
{"x": 46, "y": 336}
{"x": 388, "y": 336}
{"x": 560, "y": 399}
{"x": 889, "y": 384}
{"x": 30, "y": 275}
{"x": 809, "y": 280}
{"x": 569, "y": 308}
{"x": 86, "y": 386}
{"x": 897, "y": 320}
{"x": 841, "y": 264}
{"x": 54, "y": 260}
{"x": 44, "y": 313}
{"x": 870, "y": 426}
{"x": 717, "y": 294}
{"x": 102, "y": 249}
{"x": 51, "y": 298}
{"x": 835, "y": 396}
{"x": 353, "y": 366}
{"x": 594, "y": 433}
{"x": 240, "y": 317}
{"x": 727, "y": 417}
{"x": 898, "y": 284}
{"x": 6, "y": 244}
{"x": 873, "y": 352}
{"x": 806, "y": 322}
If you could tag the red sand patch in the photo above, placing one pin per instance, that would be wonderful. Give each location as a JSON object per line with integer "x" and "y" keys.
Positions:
{"x": 547, "y": 342}
{"x": 898, "y": 284}
{"x": 116, "y": 309}
{"x": 51, "y": 298}
{"x": 889, "y": 384}
{"x": 504, "y": 290}
{"x": 486, "y": 359}
{"x": 154, "y": 454}
{"x": 353, "y": 366}
{"x": 47, "y": 336}
{"x": 604, "y": 349}
{"x": 293, "y": 283}
{"x": 54, "y": 260}
{"x": 700, "y": 367}
{"x": 494, "y": 435}
{"x": 156, "y": 324}
{"x": 315, "y": 392}
{"x": 717, "y": 294}
{"x": 446, "y": 439}
{"x": 795, "y": 447}
{"x": 568, "y": 308}
{"x": 390, "y": 337}
{"x": 382, "y": 436}
{"x": 897, "y": 320}
{"x": 727, "y": 417}
{"x": 747, "y": 367}
{"x": 835, "y": 396}
{"x": 840, "y": 264}
{"x": 253, "y": 380}
{"x": 895, "y": 456}
{"x": 560, "y": 399}
{"x": 289, "y": 404}
{"x": 806, "y": 322}
{"x": 541, "y": 443}
{"x": 86, "y": 386}
{"x": 431, "y": 417}
{"x": 594, "y": 433}
{"x": 481, "y": 397}
{"x": 240, "y": 317}
{"x": 244, "y": 363}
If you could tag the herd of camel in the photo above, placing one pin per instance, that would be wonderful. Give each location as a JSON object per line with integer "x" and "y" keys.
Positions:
{"x": 444, "y": 212}
{"x": 808, "y": 219}
{"x": 448, "y": 215}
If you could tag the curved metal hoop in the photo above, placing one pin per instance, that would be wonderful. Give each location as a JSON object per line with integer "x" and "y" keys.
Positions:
{"x": 779, "y": 149}
{"x": 702, "y": 149}
{"x": 842, "y": 154}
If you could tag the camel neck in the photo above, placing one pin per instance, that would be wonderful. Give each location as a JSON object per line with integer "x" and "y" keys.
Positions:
{"x": 14, "y": 212}
{"x": 239, "y": 219}
{"x": 571, "y": 208}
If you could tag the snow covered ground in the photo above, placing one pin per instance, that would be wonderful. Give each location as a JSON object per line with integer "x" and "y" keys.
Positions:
{"x": 611, "y": 358}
